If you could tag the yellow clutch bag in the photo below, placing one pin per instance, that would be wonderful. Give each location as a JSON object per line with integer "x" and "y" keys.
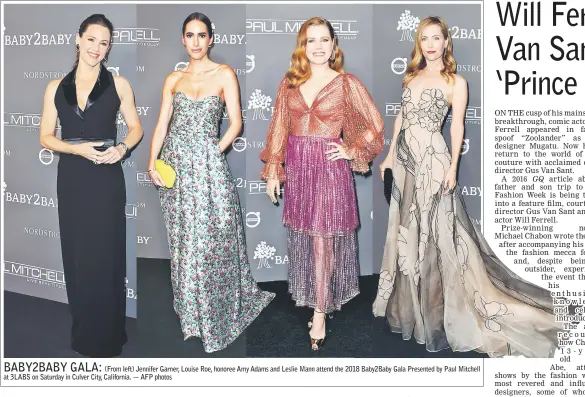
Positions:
{"x": 167, "y": 173}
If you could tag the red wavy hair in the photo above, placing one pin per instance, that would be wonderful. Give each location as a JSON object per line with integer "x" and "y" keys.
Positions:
{"x": 300, "y": 70}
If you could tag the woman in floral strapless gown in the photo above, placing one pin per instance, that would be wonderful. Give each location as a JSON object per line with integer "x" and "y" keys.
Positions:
{"x": 215, "y": 295}
{"x": 440, "y": 281}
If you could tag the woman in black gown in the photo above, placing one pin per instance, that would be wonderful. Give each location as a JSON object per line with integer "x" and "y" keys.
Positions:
{"x": 90, "y": 188}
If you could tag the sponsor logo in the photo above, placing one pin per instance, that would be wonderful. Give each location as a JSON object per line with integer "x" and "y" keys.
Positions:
{"x": 254, "y": 187}
{"x": 142, "y": 239}
{"x": 128, "y": 163}
{"x": 464, "y": 33}
{"x": 4, "y": 186}
{"x": 471, "y": 190}
{"x": 407, "y": 24}
{"x": 142, "y": 110}
{"x": 392, "y": 109}
{"x": 240, "y": 144}
{"x": 260, "y": 103}
{"x": 35, "y": 274}
{"x": 225, "y": 115}
{"x": 181, "y": 66}
{"x": 252, "y": 219}
{"x": 344, "y": 29}
{"x": 465, "y": 146}
{"x": 7, "y": 152}
{"x": 132, "y": 210}
{"x": 250, "y": 63}
{"x": 146, "y": 37}
{"x": 469, "y": 68}
{"x": 143, "y": 179}
{"x": 398, "y": 65}
{"x": 29, "y": 121}
{"x": 46, "y": 156}
{"x": 264, "y": 253}
{"x": 44, "y": 74}
{"x": 41, "y": 232}
{"x": 472, "y": 115}
{"x": 38, "y": 39}
{"x": 475, "y": 221}
{"x": 221, "y": 38}
{"x": 115, "y": 70}
{"x": 30, "y": 199}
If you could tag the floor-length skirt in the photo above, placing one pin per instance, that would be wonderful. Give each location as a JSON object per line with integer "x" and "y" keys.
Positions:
{"x": 440, "y": 282}
{"x": 92, "y": 222}
{"x": 214, "y": 292}
{"x": 320, "y": 214}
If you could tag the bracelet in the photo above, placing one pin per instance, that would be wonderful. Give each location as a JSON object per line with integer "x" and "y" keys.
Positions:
{"x": 124, "y": 146}
{"x": 153, "y": 169}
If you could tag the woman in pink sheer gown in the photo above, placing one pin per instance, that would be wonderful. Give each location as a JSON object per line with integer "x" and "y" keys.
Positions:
{"x": 325, "y": 125}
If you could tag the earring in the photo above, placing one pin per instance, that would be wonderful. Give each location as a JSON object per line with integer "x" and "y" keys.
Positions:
{"x": 77, "y": 46}
{"x": 332, "y": 55}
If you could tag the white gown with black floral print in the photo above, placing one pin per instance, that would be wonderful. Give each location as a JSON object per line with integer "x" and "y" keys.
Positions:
{"x": 440, "y": 281}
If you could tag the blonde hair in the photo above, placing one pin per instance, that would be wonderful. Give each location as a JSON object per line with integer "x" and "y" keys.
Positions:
{"x": 300, "y": 70}
{"x": 419, "y": 62}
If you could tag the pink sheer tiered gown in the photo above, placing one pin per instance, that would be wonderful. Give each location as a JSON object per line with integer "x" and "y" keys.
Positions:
{"x": 320, "y": 207}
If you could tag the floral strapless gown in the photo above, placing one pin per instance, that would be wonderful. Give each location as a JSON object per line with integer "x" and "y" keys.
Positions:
{"x": 440, "y": 281}
{"x": 215, "y": 295}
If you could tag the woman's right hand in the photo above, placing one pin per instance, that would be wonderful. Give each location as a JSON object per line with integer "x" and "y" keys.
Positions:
{"x": 87, "y": 150}
{"x": 271, "y": 186}
{"x": 155, "y": 177}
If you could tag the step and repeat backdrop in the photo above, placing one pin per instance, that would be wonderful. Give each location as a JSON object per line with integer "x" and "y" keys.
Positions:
{"x": 155, "y": 63}
{"x": 39, "y": 46}
{"x": 393, "y": 41}
{"x": 257, "y": 41}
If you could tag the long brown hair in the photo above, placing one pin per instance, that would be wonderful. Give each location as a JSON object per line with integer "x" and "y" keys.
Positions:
{"x": 300, "y": 70}
{"x": 419, "y": 62}
{"x": 95, "y": 19}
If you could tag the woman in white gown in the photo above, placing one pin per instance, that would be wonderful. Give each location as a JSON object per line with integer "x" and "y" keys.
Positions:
{"x": 440, "y": 281}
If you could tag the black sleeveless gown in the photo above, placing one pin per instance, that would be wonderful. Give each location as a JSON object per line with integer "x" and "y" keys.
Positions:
{"x": 92, "y": 221}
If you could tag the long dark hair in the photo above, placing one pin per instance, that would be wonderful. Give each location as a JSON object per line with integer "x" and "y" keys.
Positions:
{"x": 197, "y": 16}
{"x": 95, "y": 19}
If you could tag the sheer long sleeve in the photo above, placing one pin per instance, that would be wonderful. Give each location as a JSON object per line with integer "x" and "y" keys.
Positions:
{"x": 363, "y": 129}
{"x": 273, "y": 154}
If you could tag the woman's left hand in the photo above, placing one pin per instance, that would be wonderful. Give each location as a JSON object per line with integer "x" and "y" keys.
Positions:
{"x": 113, "y": 155}
{"x": 338, "y": 153}
{"x": 450, "y": 181}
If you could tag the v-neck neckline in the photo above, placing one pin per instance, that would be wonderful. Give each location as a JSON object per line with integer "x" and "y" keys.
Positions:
{"x": 95, "y": 85}
{"x": 318, "y": 93}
